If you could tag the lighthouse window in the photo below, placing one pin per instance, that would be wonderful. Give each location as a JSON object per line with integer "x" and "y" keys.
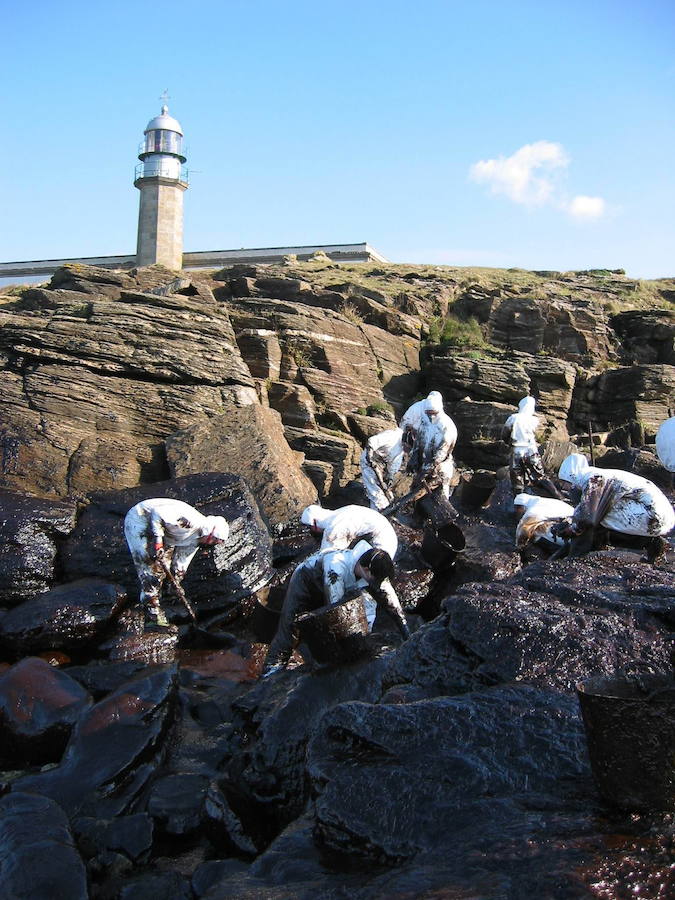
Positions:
{"x": 160, "y": 141}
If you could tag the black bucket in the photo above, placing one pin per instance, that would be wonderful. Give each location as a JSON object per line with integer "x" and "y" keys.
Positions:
{"x": 440, "y": 546}
{"x": 336, "y": 633}
{"x": 630, "y": 732}
{"x": 437, "y": 508}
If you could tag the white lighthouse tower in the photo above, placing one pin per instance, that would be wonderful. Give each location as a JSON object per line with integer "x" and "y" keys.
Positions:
{"x": 161, "y": 178}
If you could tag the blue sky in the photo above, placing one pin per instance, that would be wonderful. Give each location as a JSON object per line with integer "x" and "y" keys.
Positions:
{"x": 530, "y": 134}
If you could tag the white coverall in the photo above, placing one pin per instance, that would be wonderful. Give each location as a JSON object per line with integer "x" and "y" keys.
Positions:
{"x": 414, "y": 415}
{"x": 436, "y": 440}
{"x": 540, "y": 513}
{"x": 380, "y": 462}
{"x": 341, "y": 528}
{"x": 526, "y": 466}
{"x": 172, "y": 528}
{"x": 665, "y": 444}
{"x": 324, "y": 578}
{"x": 621, "y": 501}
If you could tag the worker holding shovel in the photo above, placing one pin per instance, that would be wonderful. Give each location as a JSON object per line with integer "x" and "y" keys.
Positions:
{"x": 163, "y": 536}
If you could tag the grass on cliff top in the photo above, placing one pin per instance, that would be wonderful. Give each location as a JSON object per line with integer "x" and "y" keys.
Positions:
{"x": 611, "y": 286}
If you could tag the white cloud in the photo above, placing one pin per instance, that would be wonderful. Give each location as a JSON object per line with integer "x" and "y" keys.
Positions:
{"x": 582, "y": 207}
{"x": 527, "y": 176}
{"x": 531, "y": 176}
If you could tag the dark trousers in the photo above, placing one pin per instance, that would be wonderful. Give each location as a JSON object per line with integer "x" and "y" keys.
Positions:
{"x": 304, "y": 593}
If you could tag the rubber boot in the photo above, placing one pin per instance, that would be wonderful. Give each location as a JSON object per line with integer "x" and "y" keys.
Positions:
{"x": 155, "y": 615}
{"x": 656, "y": 550}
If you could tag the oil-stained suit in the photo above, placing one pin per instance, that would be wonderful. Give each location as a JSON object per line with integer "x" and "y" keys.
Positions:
{"x": 436, "y": 439}
{"x": 381, "y": 460}
{"x": 341, "y": 527}
{"x": 324, "y": 578}
{"x": 170, "y": 531}
{"x": 526, "y": 466}
{"x": 618, "y": 500}
{"x": 539, "y": 516}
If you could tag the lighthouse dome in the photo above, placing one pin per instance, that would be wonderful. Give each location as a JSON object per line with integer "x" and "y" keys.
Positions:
{"x": 164, "y": 122}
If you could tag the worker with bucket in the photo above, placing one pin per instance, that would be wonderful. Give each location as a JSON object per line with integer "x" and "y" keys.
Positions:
{"x": 436, "y": 439}
{"x": 163, "y": 536}
{"x": 328, "y": 577}
{"x": 342, "y": 528}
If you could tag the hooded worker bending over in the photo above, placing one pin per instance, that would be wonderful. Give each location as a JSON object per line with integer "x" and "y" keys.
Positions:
{"x": 341, "y": 528}
{"x": 164, "y": 532}
{"x": 618, "y": 500}
{"x": 381, "y": 461}
{"x": 538, "y": 515}
{"x": 326, "y": 578}
{"x": 436, "y": 439}
{"x": 338, "y": 529}
{"x": 526, "y": 466}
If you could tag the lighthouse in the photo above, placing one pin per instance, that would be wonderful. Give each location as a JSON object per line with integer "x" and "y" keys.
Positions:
{"x": 161, "y": 177}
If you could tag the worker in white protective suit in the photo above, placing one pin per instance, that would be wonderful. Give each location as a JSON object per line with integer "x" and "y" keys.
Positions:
{"x": 436, "y": 439}
{"x": 537, "y": 516}
{"x": 618, "y": 500}
{"x": 415, "y": 415}
{"x": 341, "y": 528}
{"x": 526, "y": 466}
{"x": 382, "y": 459}
{"x": 325, "y": 578}
{"x": 161, "y": 533}
{"x": 665, "y": 444}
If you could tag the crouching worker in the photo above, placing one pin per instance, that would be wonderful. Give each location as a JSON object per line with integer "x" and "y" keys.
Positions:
{"x": 165, "y": 534}
{"x": 618, "y": 500}
{"x": 538, "y": 516}
{"x": 328, "y": 577}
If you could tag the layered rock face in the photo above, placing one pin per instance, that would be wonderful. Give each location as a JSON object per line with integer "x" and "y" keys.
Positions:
{"x": 103, "y": 371}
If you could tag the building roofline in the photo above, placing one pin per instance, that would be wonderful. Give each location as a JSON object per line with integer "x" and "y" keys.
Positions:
{"x": 190, "y": 258}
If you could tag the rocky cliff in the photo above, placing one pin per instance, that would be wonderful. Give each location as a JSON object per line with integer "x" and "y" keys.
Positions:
{"x": 111, "y": 379}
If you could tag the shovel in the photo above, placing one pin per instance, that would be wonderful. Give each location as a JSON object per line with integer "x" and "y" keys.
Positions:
{"x": 416, "y": 494}
{"x": 180, "y": 593}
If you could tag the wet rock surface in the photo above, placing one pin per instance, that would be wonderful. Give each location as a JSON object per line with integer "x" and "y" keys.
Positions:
{"x": 38, "y": 707}
{"x": 29, "y": 530}
{"x": 113, "y": 750}
{"x": 38, "y": 856}
{"x": 68, "y": 617}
